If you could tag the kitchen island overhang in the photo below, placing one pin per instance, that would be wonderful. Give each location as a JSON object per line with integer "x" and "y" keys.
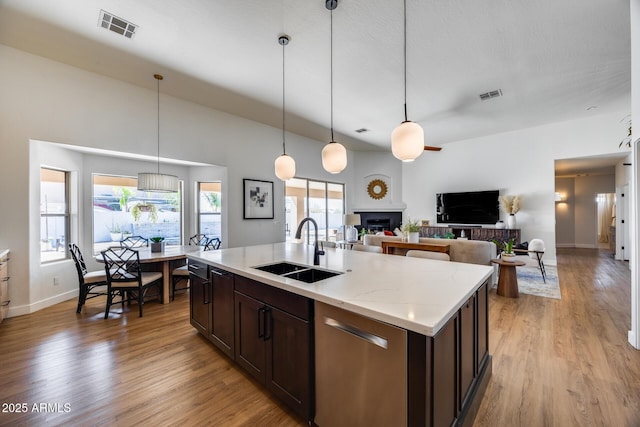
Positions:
{"x": 416, "y": 294}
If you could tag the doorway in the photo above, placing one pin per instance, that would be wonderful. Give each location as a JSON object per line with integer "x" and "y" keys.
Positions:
{"x": 605, "y": 221}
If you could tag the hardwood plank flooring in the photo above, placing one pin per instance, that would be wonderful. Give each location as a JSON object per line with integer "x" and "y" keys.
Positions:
{"x": 555, "y": 362}
{"x": 565, "y": 362}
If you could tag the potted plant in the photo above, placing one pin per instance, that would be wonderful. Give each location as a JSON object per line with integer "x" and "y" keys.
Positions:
{"x": 507, "y": 251}
{"x": 157, "y": 244}
{"x": 412, "y": 230}
{"x": 114, "y": 232}
{"x": 140, "y": 207}
{"x": 510, "y": 205}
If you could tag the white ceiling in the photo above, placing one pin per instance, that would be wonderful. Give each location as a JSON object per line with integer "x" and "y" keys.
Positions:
{"x": 553, "y": 60}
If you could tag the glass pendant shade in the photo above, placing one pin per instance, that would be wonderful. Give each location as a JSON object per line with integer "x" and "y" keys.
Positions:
{"x": 407, "y": 141}
{"x": 158, "y": 183}
{"x": 285, "y": 167}
{"x": 334, "y": 157}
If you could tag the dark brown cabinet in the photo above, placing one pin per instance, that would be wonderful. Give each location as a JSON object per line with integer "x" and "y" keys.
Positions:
{"x": 273, "y": 341}
{"x": 457, "y": 363}
{"x": 222, "y": 310}
{"x": 200, "y": 297}
{"x": 468, "y": 351}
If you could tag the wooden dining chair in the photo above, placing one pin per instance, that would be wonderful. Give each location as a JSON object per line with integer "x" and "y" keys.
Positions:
{"x": 91, "y": 283}
{"x": 124, "y": 277}
{"x": 134, "y": 242}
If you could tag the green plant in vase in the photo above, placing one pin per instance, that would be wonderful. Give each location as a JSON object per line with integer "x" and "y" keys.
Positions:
{"x": 157, "y": 244}
{"x": 412, "y": 230}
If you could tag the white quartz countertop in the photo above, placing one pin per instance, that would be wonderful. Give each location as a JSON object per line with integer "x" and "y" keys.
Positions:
{"x": 416, "y": 294}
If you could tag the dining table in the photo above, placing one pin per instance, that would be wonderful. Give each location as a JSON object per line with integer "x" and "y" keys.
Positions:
{"x": 163, "y": 259}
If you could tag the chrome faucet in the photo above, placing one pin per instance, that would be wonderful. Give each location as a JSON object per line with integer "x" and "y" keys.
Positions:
{"x": 316, "y": 251}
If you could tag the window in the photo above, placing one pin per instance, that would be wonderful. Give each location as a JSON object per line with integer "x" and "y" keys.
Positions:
{"x": 120, "y": 210}
{"x": 209, "y": 207}
{"x": 54, "y": 214}
{"x": 322, "y": 201}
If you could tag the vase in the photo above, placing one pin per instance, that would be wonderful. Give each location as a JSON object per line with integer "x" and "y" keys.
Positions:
{"x": 157, "y": 246}
{"x": 511, "y": 221}
{"x": 500, "y": 224}
{"x": 508, "y": 257}
{"x": 413, "y": 237}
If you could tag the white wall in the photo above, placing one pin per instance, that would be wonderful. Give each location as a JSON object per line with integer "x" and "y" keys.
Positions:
{"x": 565, "y": 214}
{"x": 519, "y": 162}
{"x": 372, "y": 165}
{"x": 49, "y": 101}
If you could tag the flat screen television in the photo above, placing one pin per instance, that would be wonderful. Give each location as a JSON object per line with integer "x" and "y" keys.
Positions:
{"x": 474, "y": 207}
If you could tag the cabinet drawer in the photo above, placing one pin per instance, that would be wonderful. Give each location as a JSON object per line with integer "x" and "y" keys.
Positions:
{"x": 291, "y": 303}
{"x": 4, "y": 271}
{"x": 4, "y": 291}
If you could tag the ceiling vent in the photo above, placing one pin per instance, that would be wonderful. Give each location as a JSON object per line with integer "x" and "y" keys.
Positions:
{"x": 362, "y": 130}
{"x": 489, "y": 95}
{"x": 117, "y": 25}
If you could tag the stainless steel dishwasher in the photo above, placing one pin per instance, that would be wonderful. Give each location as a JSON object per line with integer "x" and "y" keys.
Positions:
{"x": 361, "y": 370}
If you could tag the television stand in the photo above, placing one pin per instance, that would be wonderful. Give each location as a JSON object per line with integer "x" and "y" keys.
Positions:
{"x": 472, "y": 232}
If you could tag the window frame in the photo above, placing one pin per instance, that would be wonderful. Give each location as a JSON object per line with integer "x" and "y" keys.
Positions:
{"x": 66, "y": 214}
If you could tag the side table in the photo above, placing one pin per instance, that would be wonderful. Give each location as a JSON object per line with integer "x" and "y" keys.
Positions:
{"x": 508, "y": 278}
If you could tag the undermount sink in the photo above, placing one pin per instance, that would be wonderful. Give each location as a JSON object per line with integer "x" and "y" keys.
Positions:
{"x": 281, "y": 268}
{"x": 304, "y": 273}
{"x": 311, "y": 275}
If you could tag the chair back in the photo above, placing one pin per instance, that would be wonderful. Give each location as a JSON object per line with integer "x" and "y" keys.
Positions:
{"x": 198, "y": 240}
{"x": 134, "y": 242}
{"x": 429, "y": 255}
{"x": 78, "y": 259}
{"x": 367, "y": 248}
{"x": 212, "y": 244}
{"x": 122, "y": 265}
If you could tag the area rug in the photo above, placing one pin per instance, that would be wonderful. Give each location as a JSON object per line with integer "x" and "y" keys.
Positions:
{"x": 530, "y": 282}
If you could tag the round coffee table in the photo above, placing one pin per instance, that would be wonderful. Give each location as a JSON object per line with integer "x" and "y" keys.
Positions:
{"x": 508, "y": 278}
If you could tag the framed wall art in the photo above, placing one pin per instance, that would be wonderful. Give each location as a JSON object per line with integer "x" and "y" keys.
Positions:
{"x": 258, "y": 199}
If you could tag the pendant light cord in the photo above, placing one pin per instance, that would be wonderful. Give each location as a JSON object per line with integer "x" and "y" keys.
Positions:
{"x": 331, "y": 62}
{"x": 284, "y": 150}
{"x": 158, "y": 130}
{"x": 405, "y": 61}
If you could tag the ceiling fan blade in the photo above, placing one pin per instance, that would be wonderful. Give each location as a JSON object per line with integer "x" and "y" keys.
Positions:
{"x": 430, "y": 148}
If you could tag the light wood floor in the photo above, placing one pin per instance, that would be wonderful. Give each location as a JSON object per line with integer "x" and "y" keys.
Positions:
{"x": 555, "y": 362}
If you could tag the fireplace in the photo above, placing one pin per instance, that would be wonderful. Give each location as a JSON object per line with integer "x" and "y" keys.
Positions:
{"x": 379, "y": 221}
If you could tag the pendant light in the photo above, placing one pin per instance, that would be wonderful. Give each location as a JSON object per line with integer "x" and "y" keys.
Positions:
{"x": 334, "y": 155}
{"x": 407, "y": 139}
{"x": 157, "y": 182}
{"x": 285, "y": 165}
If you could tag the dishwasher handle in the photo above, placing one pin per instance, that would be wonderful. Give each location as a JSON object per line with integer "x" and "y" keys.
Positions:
{"x": 367, "y": 336}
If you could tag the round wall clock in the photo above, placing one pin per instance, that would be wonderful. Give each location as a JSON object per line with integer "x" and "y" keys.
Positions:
{"x": 377, "y": 189}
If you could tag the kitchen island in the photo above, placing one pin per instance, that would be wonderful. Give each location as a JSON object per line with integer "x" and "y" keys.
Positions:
{"x": 276, "y": 333}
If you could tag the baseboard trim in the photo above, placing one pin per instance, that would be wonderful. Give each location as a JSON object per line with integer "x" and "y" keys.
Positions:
{"x": 39, "y": 305}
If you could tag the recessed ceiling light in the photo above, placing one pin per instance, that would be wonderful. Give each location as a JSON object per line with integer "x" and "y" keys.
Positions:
{"x": 362, "y": 130}
{"x": 593, "y": 107}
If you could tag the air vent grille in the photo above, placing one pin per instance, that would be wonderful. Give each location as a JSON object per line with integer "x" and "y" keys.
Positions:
{"x": 489, "y": 95}
{"x": 117, "y": 25}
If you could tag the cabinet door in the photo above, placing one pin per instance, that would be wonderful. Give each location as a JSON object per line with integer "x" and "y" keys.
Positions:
{"x": 288, "y": 360}
{"x": 445, "y": 346}
{"x": 222, "y": 308}
{"x": 199, "y": 301}
{"x": 250, "y": 348}
{"x": 482, "y": 302}
{"x": 467, "y": 348}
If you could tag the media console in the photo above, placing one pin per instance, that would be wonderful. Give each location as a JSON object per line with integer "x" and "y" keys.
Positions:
{"x": 472, "y": 232}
